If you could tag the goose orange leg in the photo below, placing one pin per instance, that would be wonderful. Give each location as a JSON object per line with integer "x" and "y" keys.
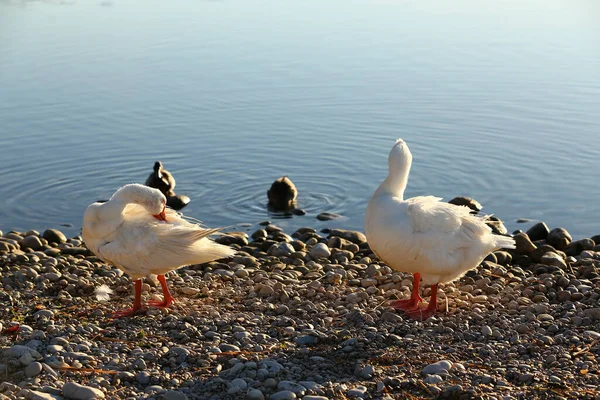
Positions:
{"x": 415, "y": 299}
{"x": 421, "y": 314}
{"x": 168, "y": 300}
{"x": 137, "y": 302}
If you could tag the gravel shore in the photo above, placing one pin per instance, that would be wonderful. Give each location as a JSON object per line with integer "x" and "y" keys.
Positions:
{"x": 300, "y": 316}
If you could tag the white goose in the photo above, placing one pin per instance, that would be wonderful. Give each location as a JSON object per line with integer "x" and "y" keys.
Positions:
{"x": 436, "y": 241}
{"x": 137, "y": 233}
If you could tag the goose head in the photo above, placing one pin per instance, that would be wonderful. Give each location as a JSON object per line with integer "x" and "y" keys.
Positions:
{"x": 399, "y": 162}
{"x": 151, "y": 199}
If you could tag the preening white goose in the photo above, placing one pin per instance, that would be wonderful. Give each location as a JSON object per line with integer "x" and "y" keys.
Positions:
{"x": 433, "y": 240}
{"x": 137, "y": 233}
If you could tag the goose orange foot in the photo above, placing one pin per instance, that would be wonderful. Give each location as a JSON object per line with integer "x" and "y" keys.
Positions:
{"x": 168, "y": 300}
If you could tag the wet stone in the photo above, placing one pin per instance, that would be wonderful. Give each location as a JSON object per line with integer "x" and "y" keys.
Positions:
{"x": 538, "y": 231}
{"x": 559, "y": 238}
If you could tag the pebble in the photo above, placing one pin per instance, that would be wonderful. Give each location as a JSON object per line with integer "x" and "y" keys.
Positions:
{"x": 32, "y": 242}
{"x": 72, "y": 390}
{"x": 33, "y": 369}
{"x": 538, "y": 231}
{"x": 327, "y": 216}
{"x": 281, "y": 322}
{"x": 239, "y": 383}
{"x": 255, "y": 394}
{"x": 174, "y": 395}
{"x": 559, "y": 238}
{"x": 437, "y": 368}
{"x": 283, "y": 395}
{"x": 298, "y": 389}
{"x": 54, "y": 236}
{"x": 486, "y": 331}
{"x": 357, "y": 392}
{"x": 523, "y": 244}
{"x": 320, "y": 250}
{"x": 433, "y": 379}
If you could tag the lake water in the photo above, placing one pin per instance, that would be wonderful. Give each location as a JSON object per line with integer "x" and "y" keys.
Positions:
{"x": 498, "y": 100}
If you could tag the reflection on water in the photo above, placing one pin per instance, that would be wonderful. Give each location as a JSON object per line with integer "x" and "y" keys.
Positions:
{"x": 501, "y": 106}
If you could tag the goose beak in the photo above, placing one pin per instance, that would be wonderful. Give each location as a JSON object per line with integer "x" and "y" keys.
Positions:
{"x": 161, "y": 216}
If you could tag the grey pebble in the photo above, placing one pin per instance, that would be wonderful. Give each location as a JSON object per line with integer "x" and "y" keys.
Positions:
{"x": 224, "y": 347}
{"x": 33, "y": 369}
{"x": 72, "y": 390}
{"x": 440, "y": 367}
{"x": 283, "y": 395}
{"x": 320, "y": 250}
{"x": 298, "y": 389}
{"x": 240, "y": 383}
{"x": 174, "y": 395}
{"x": 359, "y": 391}
{"x": 433, "y": 379}
{"x": 255, "y": 394}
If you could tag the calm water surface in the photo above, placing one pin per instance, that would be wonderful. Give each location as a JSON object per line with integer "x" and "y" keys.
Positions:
{"x": 498, "y": 100}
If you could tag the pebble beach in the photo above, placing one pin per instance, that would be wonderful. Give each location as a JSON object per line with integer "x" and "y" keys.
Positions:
{"x": 300, "y": 315}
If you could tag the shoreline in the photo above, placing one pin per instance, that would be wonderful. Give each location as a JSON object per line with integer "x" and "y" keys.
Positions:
{"x": 286, "y": 319}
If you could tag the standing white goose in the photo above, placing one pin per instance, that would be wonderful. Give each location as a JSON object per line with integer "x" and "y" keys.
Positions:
{"x": 137, "y": 233}
{"x": 436, "y": 241}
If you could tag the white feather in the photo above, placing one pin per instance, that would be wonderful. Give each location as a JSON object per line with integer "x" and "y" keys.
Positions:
{"x": 103, "y": 293}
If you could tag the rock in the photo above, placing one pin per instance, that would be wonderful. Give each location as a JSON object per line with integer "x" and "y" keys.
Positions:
{"x": 306, "y": 340}
{"x": 524, "y": 245}
{"x": 327, "y": 216}
{"x": 433, "y": 379}
{"x": 255, "y": 394}
{"x": 320, "y": 250}
{"x": 75, "y": 250}
{"x": 593, "y": 313}
{"x": 54, "y": 236}
{"x": 298, "y": 389}
{"x": 225, "y": 347}
{"x": 467, "y": 202}
{"x": 559, "y": 238}
{"x": 359, "y": 391}
{"x": 437, "y": 368}
{"x": 283, "y": 395}
{"x": 486, "y": 331}
{"x": 174, "y": 395}
{"x": 353, "y": 236}
{"x": 537, "y": 254}
{"x": 551, "y": 258}
{"x": 266, "y": 291}
{"x": 298, "y": 211}
{"x": 32, "y": 242}
{"x": 24, "y": 354}
{"x": 367, "y": 372}
{"x": 239, "y": 383}
{"x": 281, "y": 250}
{"x": 538, "y": 231}
{"x": 239, "y": 238}
{"x": 33, "y": 369}
{"x": 72, "y": 390}
{"x": 497, "y": 225}
{"x": 259, "y": 234}
{"x": 35, "y": 395}
{"x": 578, "y": 246}
{"x": 503, "y": 257}
{"x": 6, "y": 247}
